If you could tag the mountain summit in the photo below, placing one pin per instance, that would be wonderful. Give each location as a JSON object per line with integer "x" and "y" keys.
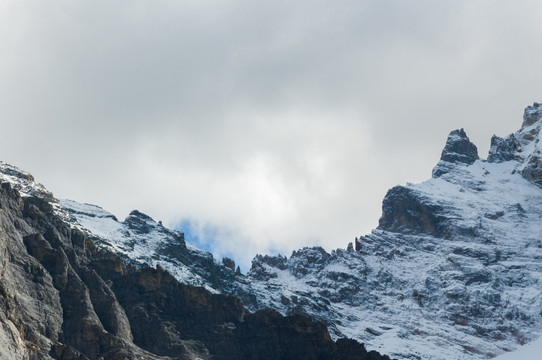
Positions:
{"x": 458, "y": 150}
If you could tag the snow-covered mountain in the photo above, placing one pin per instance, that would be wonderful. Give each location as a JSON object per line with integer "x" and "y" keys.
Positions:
{"x": 453, "y": 270}
{"x": 142, "y": 241}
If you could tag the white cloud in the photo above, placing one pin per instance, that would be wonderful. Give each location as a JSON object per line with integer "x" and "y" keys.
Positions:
{"x": 281, "y": 123}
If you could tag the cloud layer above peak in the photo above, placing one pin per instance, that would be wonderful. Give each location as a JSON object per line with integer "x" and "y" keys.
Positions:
{"x": 282, "y": 123}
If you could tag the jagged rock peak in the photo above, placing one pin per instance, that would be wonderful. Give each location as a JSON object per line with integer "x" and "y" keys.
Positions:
{"x": 503, "y": 149}
{"x": 524, "y": 143}
{"x": 229, "y": 263}
{"x": 140, "y": 215}
{"x": 523, "y": 146}
{"x": 404, "y": 210}
{"x": 459, "y": 148}
{"x": 532, "y": 114}
{"x": 140, "y": 222}
{"x": 24, "y": 182}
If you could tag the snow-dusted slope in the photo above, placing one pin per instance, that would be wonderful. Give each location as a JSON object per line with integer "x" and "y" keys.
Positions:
{"x": 453, "y": 270}
{"x": 24, "y": 182}
{"x": 531, "y": 351}
{"x": 144, "y": 242}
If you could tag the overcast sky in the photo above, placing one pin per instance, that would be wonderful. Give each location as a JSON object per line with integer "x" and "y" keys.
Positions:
{"x": 263, "y": 126}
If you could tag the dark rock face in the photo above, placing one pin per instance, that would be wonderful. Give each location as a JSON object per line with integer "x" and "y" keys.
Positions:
{"x": 532, "y": 114}
{"x": 164, "y": 312}
{"x": 61, "y": 297}
{"x": 458, "y": 150}
{"x": 533, "y": 169}
{"x": 139, "y": 222}
{"x": 405, "y": 211}
{"x": 56, "y": 304}
{"x": 229, "y": 263}
{"x": 503, "y": 149}
{"x": 522, "y": 146}
{"x": 259, "y": 261}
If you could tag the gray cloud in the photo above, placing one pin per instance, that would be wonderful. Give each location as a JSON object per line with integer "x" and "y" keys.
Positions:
{"x": 281, "y": 123}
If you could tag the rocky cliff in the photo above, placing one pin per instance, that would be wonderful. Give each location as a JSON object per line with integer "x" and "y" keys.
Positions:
{"x": 64, "y": 297}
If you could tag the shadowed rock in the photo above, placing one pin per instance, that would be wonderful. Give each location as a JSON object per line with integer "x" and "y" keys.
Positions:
{"x": 458, "y": 150}
{"x": 503, "y": 149}
{"x": 404, "y": 210}
{"x": 532, "y": 114}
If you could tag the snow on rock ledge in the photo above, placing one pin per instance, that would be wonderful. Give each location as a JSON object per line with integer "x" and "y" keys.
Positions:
{"x": 24, "y": 182}
{"x": 532, "y": 114}
{"x": 523, "y": 146}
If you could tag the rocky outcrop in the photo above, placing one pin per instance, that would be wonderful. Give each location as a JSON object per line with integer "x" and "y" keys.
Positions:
{"x": 458, "y": 150}
{"x": 523, "y": 146}
{"x": 24, "y": 182}
{"x": 62, "y": 297}
{"x": 503, "y": 149}
{"x": 532, "y": 114}
{"x": 229, "y": 263}
{"x": 533, "y": 169}
{"x": 532, "y": 149}
{"x": 407, "y": 211}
